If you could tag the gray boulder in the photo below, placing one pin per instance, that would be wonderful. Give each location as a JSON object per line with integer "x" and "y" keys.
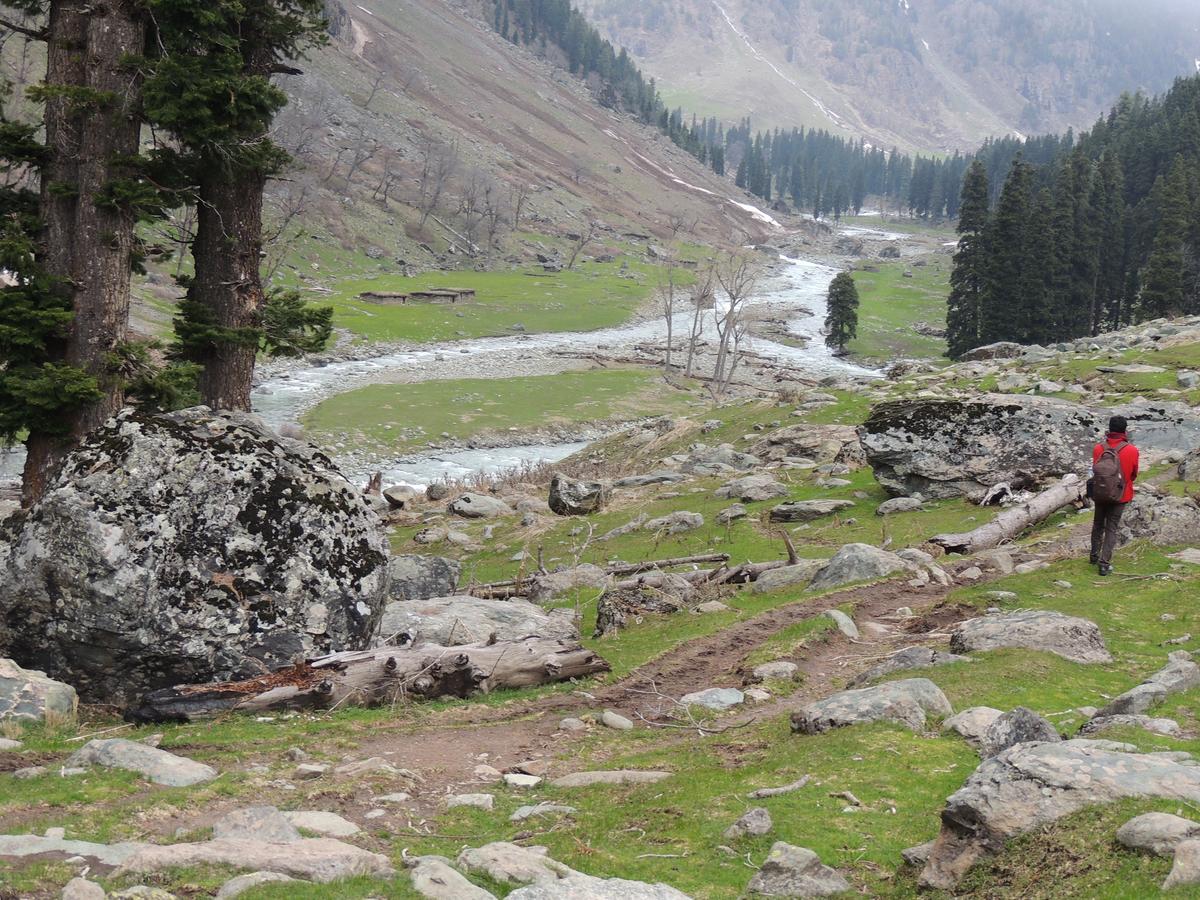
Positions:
{"x": 1070, "y": 637}
{"x": 1097, "y": 724}
{"x": 731, "y": 513}
{"x": 315, "y": 859}
{"x": 458, "y": 620}
{"x": 576, "y": 498}
{"x": 1019, "y": 726}
{"x": 1156, "y": 832}
{"x": 241, "y": 883}
{"x": 398, "y": 496}
{"x": 857, "y": 562}
{"x": 611, "y": 777}
{"x": 704, "y": 460}
{"x": 1030, "y": 785}
{"x": 754, "y": 823}
{"x": 908, "y": 658}
{"x": 82, "y": 889}
{"x": 898, "y": 505}
{"x": 157, "y": 765}
{"x": 790, "y": 871}
{"x": 827, "y": 444}
{"x": 946, "y": 448}
{"x": 261, "y": 823}
{"x": 753, "y": 488}
{"x": 1160, "y": 519}
{"x": 1185, "y": 869}
{"x": 29, "y": 695}
{"x": 661, "y": 477}
{"x": 808, "y": 510}
{"x": 1189, "y": 467}
{"x": 972, "y": 723}
{"x": 844, "y": 623}
{"x": 904, "y": 702}
{"x": 416, "y": 577}
{"x": 676, "y": 523}
{"x": 717, "y": 699}
{"x": 1179, "y": 674}
{"x": 435, "y": 878}
{"x": 584, "y": 887}
{"x": 508, "y": 863}
{"x": 479, "y": 506}
{"x": 552, "y": 585}
{"x": 788, "y": 576}
{"x": 187, "y": 548}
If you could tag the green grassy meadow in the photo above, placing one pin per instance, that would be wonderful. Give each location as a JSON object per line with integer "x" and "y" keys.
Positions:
{"x": 889, "y": 305}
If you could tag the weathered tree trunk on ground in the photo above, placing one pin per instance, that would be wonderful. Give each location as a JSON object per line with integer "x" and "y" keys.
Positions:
{"x": 1010, "y": 523}
{"x": 92, "y": 120}
{"x": 519, "y": 587}
{"x": 227, "y": 250}
{"x": 376, "y": 677}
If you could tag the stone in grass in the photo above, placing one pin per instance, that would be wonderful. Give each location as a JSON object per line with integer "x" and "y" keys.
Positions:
{"x": 316, "y": 859}
{"x": 731, "y": 514}
{"x": 787, "y": 576}
{"x": 570, "y": 723}
{"x": 142, "y": 892}
{"x": 779, "y": 670}
{"x": 918, "y": 855}
{"x": 754, "y": 823}
{"x": 1186, "y": 868}
{"x": 322, "y": 822}
{"x": 844, "y": 623}
{"x": 7, "y": 745}
{"x": 29, "y": 695}
{"x": 899, "y": 505}
{"x": 82, "y": 889}
{"x": 972, "y": 723}
{"x": 808, "y": 510}
{"x": 1018, "y": 726}
{"x": 611, "y": 777}
{"x": 479, "y": 506}
{"x": 857, "y": 562}
{"x": 521, "y": 780}
{"x": 308, "y": 771}
{"x": 434, "y": 877}
{"x": 157, "y": 765}
{"x": 904, "y": 702}
{"x": 508, "y": 863}
{"x": 615, "y": 720}
{"x": 906, "y": 659}
{"x": 1073, "y": 638}
{"x": 585, "y": 887}
{"x": 1166, "y": 727}
{"x": 1157, "y": 832}
{"x": 796, "y": 872}
{"x": 242, "y": 883}
{"x": 541, "y": 809}
{"x": 716, "y": 699}
{"x": 1179, "y": 674}
{"x": 676, "y": 523}
{"x": 262, "y": 823}
{"x": 475, "y": 801}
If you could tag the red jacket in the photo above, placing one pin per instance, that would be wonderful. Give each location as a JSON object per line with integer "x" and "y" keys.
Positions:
{"x": 1128, "y": 457}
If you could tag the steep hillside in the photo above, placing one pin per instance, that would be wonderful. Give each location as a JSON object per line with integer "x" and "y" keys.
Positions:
{"x": 927, "y": 74}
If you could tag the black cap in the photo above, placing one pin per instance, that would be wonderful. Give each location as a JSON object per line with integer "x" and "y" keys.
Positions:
{"x": 1118, "y": 425}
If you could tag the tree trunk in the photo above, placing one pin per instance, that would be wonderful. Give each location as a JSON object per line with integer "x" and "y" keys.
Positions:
{"x": 227, "y": 251}
{"x": 376, "y": 677}
{"x": 1015, "y": 520}
{"x": 85, "y": 244}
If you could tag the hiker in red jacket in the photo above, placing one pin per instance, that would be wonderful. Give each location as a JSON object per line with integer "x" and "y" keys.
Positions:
{"x": 1114, "y": 470}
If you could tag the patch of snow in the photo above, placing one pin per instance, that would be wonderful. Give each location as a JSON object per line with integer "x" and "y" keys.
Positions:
{"x": 756, "y": 213}
{"x": 925, "y": 43}
{"x": 364, "y": 9}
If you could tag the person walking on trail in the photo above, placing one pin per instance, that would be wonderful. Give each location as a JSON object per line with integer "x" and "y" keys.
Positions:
{"x": 1114, "y": 470}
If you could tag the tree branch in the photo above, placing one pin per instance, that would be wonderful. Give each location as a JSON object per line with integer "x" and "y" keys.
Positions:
{"x": 37, "y": 34}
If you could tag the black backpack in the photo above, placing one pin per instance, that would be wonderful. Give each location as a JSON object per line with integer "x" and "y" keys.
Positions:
{"x": 1108, "y": 479}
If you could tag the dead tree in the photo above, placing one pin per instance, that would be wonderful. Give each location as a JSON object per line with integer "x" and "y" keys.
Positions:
{"x": 582, "y": 239}
{"x": 1014, "y": 520}
{"x": 667, "y": 297}
{"x": 737, "y": 273}
{"x": 439, "y": 161}
{"x": 376, "y": 677}
{"x": 701, "y": 300}
{"x": 518, "y": 198}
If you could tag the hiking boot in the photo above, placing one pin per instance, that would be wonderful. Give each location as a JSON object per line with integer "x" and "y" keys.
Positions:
{"x": 1093, "y": 559}
{"x": 1105, "y": 569}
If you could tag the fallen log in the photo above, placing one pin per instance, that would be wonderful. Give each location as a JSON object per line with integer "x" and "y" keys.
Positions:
{"x": 376, "y": 677}
{"x": 1010, "y": 523}
{"x": 518, "y": 587}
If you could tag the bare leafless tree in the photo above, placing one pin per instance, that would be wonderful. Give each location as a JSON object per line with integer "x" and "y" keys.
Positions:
{"x": 374, "y": 90}
{"x": 583, "y": 237}
{"x": 389, "y": 175}
{"x": 470, "y": 208}
{"x": 438, "y": 161}
{"x": 286, "y": 206}
{"x": 517, "y": 198}
{"x": 667, "y": 296}
{"x": 701, "y": 300}
{"x": 493, "y": 210}
{"x": 737, "y": 273}
{"x": 680, "y": 223}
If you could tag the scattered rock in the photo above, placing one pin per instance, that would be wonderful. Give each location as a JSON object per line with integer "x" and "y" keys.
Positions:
{"x": 1186, "y": 868}
{"x": 27, "y": 694}
{"x": 796, "y": 872}
{"x": 525, "y": 782}
{"x": 512, "y": 864}
{"x": 315, "y": 859}
{"x": 322, "y": 822}
{"x": 616, "y": 777}
{"x": 475, "y": 801}
{"x": 704, "y": 460}
{"x": 541, "y": 809}
{"x": 788, "y": 576}
{"x": 731, "y": 514}
{"x": 572, "y": 724}
{"x": 552, "y": 585}
{"x": 611, "y": 719}
{"x": 434, "y": 877}
{"x": 1076, "y": 639}
{"x": 454, "y": 621}
{"x": 585, "y": 887}
{"x": 905, "y": 702}
{"x": 753, "y": 488}
{"x": 1156, "y": 832}
{"x": 184, "y": 529}
{"x": 717, "y": 699}
{"x": 82, "y": 889}
{"x": 479, "y": 506}
{"x": 9, "y": 746}
{"x": 398, "y": 496}
{"x": 754, "y": 823}
{"x": 256, "y": 823}
{"x": 22, "y": 845}
{"x": 242, "y": 883}
{"x": 676, "y": 523}
{"x": 857, "y": 562}
{"x": 972, "y": 723}
{"x": 157, "y": 765}
{"x": 808, "y": 510}
{"x": 1016, "y": 727}
{"x": 780, "y": 670}
{"x": 1031, "y": 785}
{"x": 1180, "y": 674}
{"x": 576, "y": 498}
{"x": 844, "y": 623}
{"x": 899, "y": 505}
{"x": 1167, "y": 727}
{"x": 908, "y": 658}
{"x": 307, "y": 771}
{"x": 422, "y": 577}
{"x": 917, "y": 856}
{"x": 1160, "y": 519}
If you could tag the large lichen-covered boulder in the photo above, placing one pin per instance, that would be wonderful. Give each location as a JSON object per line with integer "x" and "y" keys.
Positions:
{"x": 946, "y": 447}
{"x": 185, "y": 548}
{"x": 1070, "y": 637}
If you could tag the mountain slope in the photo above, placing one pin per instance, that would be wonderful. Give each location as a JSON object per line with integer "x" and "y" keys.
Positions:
{"x": 926, "y": 74}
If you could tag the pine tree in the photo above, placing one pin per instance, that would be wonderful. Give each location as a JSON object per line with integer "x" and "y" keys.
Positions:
{"x": 1162, "y": 280}
{"x": 1002, "y": 317}
{"x": 967, "y": 279}
{"x": 841, "y": 316}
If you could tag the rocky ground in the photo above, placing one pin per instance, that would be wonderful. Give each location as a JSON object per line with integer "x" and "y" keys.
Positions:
{"x": 872, "y": 715}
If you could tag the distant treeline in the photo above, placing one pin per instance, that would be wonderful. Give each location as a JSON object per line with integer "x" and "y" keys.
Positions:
{"x": 1083, "y": 235}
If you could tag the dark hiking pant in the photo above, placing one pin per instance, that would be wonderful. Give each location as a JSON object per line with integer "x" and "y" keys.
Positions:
{"x": 1104, "y": 531}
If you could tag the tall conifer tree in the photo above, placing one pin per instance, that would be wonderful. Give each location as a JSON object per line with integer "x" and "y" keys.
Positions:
{"x": 968, "y": 278}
